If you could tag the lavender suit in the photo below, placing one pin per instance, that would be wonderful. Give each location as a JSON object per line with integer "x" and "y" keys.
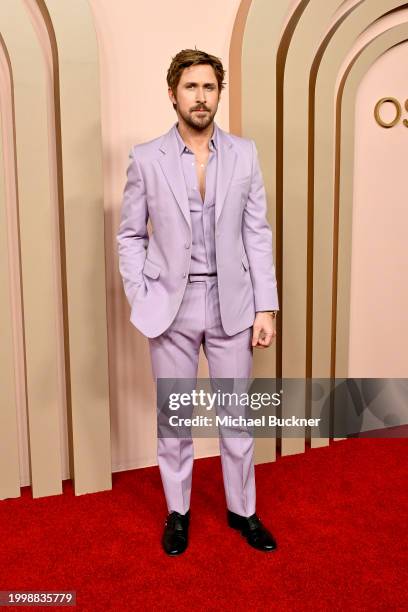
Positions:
{"x": 198, "y": 280}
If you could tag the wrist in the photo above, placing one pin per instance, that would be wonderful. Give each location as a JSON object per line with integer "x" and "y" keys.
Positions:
{"x": 272, "y": 313}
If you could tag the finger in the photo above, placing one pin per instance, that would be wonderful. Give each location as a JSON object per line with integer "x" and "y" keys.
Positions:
{"x": 255, "y": 335}
{"x": 267, "y": 339}
{"x": 262, "y": 341}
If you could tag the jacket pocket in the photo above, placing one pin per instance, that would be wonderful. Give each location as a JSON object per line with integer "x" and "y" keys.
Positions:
{"x": 151, "y": 269}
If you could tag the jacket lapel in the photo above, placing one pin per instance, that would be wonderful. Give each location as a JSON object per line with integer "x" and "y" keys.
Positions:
{"x": 173, "y": 171}
{"x": 226, "y": 159}
{"x": 170, "y": 163}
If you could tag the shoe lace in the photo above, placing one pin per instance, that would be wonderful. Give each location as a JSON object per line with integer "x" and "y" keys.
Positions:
{"x": 254, "y": 522}
{"x": 175, "y": 521}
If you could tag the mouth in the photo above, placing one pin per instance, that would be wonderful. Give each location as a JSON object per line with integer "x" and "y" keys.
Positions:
{"x": 200, "y": 110}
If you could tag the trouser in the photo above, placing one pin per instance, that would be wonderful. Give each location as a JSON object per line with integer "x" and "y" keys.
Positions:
{"x": 175, "y": 354}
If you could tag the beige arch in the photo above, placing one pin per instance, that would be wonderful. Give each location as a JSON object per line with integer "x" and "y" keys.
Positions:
{"x": 321, "y": 304}
{"x": 272, "y": 22}
{"x": 9, "y": 456}
{"x": 294, "y": 199}
{"x": 345, "y": 158}
{"x": 322, "y": 129}
{"x": 276, "y": 24}
{"x": 38, "y": 273}
{"x": 343, "y": 12}
{"x": 249, "y": 65}
{"x": 270, "y": 118}
{"x": 292, "y": 190}
{"x": 349, "y": 20}
{"x": 294, "y": 185}
{"x": 80, "y": 180}
{"x": 235, "y": 67}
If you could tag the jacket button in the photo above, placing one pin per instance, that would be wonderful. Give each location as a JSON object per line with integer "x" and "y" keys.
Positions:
{"x": 187, "y": 245}
{"x": 184, "y": 275}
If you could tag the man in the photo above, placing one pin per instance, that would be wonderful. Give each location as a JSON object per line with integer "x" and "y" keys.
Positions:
{"x": 204, "y": 276}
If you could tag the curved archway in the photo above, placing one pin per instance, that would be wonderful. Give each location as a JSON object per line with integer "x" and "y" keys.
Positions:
{"x": 321, "y": 176}
{"x": 38, "y": 272}
{"x": 61, "y": 215}
{"x": 77, "y": 97}
{"x": 345, "y": 103}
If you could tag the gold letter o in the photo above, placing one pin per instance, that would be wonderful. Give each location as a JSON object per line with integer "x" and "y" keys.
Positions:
{"x": 377, "y": 112}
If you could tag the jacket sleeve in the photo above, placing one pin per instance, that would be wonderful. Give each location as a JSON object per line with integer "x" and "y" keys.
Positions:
{"x": 258, "y": 241}
{"x": 132, "y": 237}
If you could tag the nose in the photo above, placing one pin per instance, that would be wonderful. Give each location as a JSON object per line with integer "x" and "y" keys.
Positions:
{"x": 200, "y": 94}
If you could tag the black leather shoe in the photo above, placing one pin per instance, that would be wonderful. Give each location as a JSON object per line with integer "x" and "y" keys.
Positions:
{"x": 175, "y": 534}
{"x": 252, "y": 529}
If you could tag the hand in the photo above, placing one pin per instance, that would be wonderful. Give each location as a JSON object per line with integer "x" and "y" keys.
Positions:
{"x": 264, "y": 330}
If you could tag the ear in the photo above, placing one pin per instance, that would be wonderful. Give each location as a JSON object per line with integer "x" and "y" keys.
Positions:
{"x": 171, "y": 95}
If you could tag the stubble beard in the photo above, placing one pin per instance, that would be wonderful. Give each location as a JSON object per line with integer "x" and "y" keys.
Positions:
{"x": 197, "y": 122}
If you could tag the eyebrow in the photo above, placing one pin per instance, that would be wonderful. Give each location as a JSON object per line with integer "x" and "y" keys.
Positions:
{"x": 194, "y": 83}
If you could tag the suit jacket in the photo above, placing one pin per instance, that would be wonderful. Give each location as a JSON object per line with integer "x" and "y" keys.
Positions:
{"x": 155, "y": 269}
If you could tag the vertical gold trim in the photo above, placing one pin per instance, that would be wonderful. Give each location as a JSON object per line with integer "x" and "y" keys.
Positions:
{"x": 235, "y": 67}
{"x": 9, "y": 455}
{"x": 279, "y": 144}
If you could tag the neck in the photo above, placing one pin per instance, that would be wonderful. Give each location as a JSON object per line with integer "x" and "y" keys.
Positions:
{"x": 193, "y": 138}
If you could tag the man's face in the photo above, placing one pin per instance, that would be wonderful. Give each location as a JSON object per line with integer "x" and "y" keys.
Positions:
{"x": 197, "y": 96}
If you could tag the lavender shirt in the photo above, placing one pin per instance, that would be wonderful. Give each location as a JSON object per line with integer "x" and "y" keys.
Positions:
{"x": 202, "y": 214}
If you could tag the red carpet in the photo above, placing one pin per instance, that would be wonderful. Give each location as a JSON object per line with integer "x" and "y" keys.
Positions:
{"x": 339, "y": 514}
